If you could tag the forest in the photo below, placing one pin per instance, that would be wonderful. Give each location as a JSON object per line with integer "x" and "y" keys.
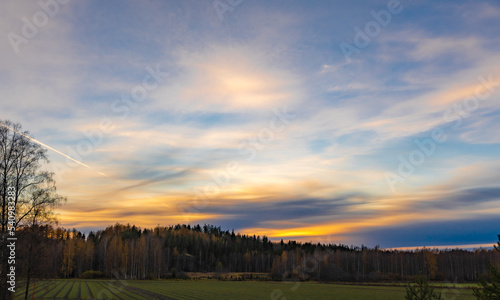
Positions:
{"x": 129, "y": 252}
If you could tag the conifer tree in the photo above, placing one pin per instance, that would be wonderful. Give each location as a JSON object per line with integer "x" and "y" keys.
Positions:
{"x": 490, "y": 291}
{"x": 421, "y": 290}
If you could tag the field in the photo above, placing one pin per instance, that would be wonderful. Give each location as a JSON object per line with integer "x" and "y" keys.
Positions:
{"x": 214, "y": 289}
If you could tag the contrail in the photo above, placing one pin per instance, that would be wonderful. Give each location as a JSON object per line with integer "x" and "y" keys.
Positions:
{"x": 48, "y": 147}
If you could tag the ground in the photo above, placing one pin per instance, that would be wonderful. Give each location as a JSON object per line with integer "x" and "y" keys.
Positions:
{"x": 215, "y": 289}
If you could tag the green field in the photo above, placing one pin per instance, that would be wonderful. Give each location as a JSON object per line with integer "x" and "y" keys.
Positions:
{"x": 213, "y": 289}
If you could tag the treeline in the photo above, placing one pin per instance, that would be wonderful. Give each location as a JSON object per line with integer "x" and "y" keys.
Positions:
{"x": 128, "y": 252}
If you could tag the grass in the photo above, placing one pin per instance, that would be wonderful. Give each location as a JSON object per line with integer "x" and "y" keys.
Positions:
{"x": 74, "y": 293}
{"x": 214, "y": 289}
{"x": 85, "y": 292}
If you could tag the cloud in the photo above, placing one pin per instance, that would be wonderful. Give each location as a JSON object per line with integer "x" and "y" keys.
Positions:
{"x": 433, "y": 48}
{"x": 482, "y": 130}
{"x": 228, "y": 79}
{"x": 161, "y": 176}
{"x": 480, "y": 12}
{"x": 27, "y": 88}
{"x": 255, "y": 214}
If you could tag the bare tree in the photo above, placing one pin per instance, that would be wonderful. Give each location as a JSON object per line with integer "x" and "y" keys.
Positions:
{"x": 24, "y": 184}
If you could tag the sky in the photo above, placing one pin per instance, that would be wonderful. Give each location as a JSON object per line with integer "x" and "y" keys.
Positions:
{"x": 354, "y": 122}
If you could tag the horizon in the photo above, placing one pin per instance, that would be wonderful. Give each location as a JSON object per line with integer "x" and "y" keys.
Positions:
{"x": 368, "y": 123}
{"x": 469, "y": 247}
